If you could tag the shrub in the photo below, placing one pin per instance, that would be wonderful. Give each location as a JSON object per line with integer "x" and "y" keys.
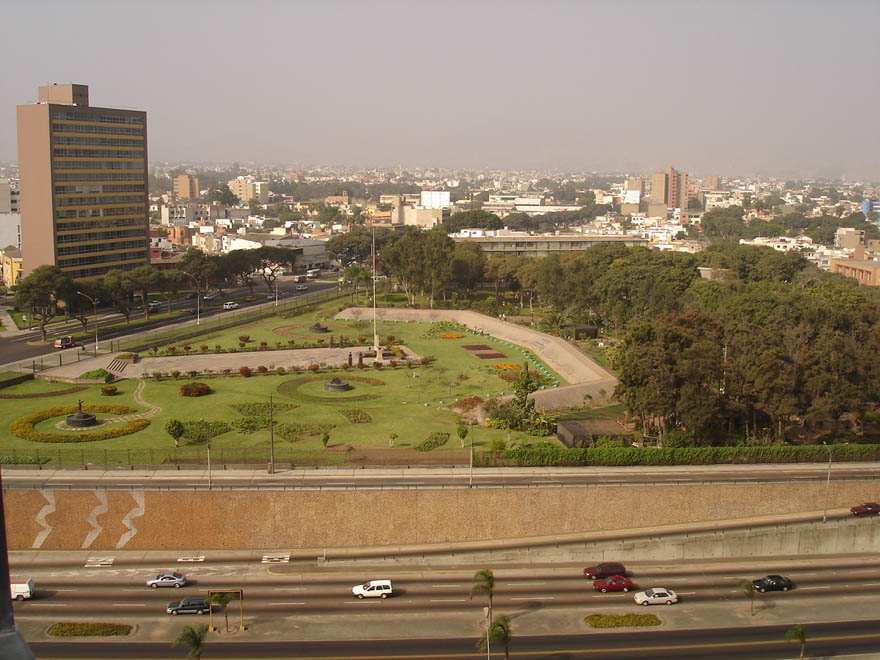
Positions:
{"x": 263, "y": 345}
{"x": 393, "y": 364}
{"x": 390, "y": 339}
{"x": 241, "y": 344}
{"x": 108, "y": 390}
{"x": 361, "y": 365}
{"x": 434, "y": 440}
{"x": 362, "y": 339}
{"x": 244, "y": 338}
{"x": 218, "y": 348}
{"x": 258, "y": 408}
{"x": 313, "y": 368}
{"x": 126, "y": 356}
{"x": 192, "y": 373}
{"x": 95, "y": 373}
{"x": 90, "y": 629}
{"x": 280, "y": 371}
{"x": 203, "y": 347}
{"x": 409, "y": 364}
{"x": 291, "y": 341}
{"x": 377, "y": 364}
{"x": 621, "y": 620}
{"x": 250, "y": 424}
{"x": 471, "y": 402}
{"x": 109, "y": 378}
{"x": 498, "y": 444}
{"x": 245, "y": 372}
{"x": 157, "y": 375}
{"x": 345, "y": 366}
{"x": 227, "y": 371}
{"x": 356, "y": 416}
{"x": 201, "y": 430}
{"x": 194, "y": 389}
{"x": 187, "y": 348}
{"x": 171, "y": 349}
{"x": 262, "y": 369}
{"x": 175, "y": 373}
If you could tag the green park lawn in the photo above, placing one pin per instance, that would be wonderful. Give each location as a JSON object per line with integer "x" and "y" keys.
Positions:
{"x": 411, "y": 403}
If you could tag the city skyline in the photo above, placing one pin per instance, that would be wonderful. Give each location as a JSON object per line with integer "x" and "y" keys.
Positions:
{"x": 730, "y": 88}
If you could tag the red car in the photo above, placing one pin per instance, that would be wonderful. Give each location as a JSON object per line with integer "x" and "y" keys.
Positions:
{"x": 866, "y": 509}
{"x": 614, "y": 583}
{"x": 604, "y": 570}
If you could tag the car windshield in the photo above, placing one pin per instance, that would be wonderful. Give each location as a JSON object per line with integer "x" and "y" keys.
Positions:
{"x": 649, "y": 592}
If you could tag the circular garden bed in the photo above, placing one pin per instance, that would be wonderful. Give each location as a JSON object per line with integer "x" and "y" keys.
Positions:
{"x": 24, "y": 427}
{"x": 310, "y": 388}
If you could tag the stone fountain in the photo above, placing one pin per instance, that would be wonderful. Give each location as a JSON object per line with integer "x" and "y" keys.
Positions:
{"x": 81, "y": 419}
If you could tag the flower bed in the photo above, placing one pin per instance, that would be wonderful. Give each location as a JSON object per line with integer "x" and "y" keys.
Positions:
{"x": 621, "y": 620}
{"x": 90, "y": 629}
{"x": 23, "y": 427}
{"x": 194, "y": 389}
{"x": 451, "y": 335}
{"x": 356, "y": 416}
{"x": 504, "y": 365}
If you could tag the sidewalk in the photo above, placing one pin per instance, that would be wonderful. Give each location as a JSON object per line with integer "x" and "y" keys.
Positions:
{"x": 9, "y": 327}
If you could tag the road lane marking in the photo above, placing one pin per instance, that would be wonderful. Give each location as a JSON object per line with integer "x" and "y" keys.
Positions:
{"x": 193, "y": 558}
{"x": 97, "y": 562}
{"x": 49, "y": 604}
{"x": 277, "y": 558}
{"x": 449, "y": 600}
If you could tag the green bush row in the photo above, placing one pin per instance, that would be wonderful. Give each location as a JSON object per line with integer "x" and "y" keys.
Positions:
{"x": 89, "y": 629}
{"x": 294, "y": 432}
{"x": 621, "y": 620}
{"x": 23, "y": 460}
{"x": 544, "y": 453}
{"x": 23, "y": 427}
{"x": 356, "y": 415}
{"x": 434, "y": 440}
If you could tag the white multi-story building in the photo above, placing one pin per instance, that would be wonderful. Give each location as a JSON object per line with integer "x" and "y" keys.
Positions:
{"x": 246, "y": 189}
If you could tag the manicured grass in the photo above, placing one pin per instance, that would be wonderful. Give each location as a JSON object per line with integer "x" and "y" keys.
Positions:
{"x": 8, "y": 375}
{"x": 621, "y": 620}
{"x": 412, "y": 402}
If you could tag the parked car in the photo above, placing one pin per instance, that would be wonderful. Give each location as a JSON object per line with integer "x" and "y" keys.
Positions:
{"x": 656, "y": 596}
{"x": 191, "y": 605}
{"x": 772, "y": 583}
{"x": 373, "y": 589}
{"x": 302, "y": 287}
{"x": 22, "y": 590}
{"x": 230, "y": 305}
{"x": 66, "y": 342}
{"x": 866, "y": 509}
{"x": 604, "y": 570}
{"x": 169, "y": 579}
{"x": 614, "y": 583}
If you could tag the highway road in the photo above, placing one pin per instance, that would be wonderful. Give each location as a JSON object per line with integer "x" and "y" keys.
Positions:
{"x": 311, "y": 613}
{"x": 439, "y": 477}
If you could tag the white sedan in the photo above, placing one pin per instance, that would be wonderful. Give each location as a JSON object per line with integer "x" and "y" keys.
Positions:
{"x": 656, "y": 596}
{"x": 170, "y": 579}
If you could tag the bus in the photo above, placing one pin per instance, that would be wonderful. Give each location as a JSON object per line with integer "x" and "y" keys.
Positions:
{"x": 313, "y": 273}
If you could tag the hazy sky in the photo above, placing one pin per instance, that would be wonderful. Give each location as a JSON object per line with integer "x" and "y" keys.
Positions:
{"x": 733, "y": 87}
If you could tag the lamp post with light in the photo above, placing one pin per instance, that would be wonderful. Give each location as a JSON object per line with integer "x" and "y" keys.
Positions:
{"x": 95, "y": 306}
{"x": 827, "y": 482}
{"x": 198, "y": 296}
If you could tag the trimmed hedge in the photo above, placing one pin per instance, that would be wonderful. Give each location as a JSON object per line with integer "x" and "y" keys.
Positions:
{"x": 194, "y": 389}
{"x": 90, "y": 629}
{"x": 436, "y": 439}
{"x": 23, "y": 427}
{"x": 23, "y": 460}
{"x": 544, "y": 453}
{"x": 621, "y": 620}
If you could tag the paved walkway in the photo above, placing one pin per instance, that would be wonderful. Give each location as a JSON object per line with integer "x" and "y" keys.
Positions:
{"x": 584, "y": 374}
{"x": 9, "y": 327}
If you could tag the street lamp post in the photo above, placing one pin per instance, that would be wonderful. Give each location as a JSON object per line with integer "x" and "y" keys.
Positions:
{"x": 95, "y": 306}
{"x": 827, "y": 482}
{"x": 271, "y": 438}
{"x": 471, "y": 477}
{"x": 276, "y": 292}
{"x": 198, "y": 296}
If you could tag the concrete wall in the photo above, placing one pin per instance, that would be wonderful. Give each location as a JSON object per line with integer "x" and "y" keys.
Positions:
{"x": 304, "y": 519}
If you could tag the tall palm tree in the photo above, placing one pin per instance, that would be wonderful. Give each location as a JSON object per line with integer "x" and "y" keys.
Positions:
{"x": 223, "y": 599}
{"x": 484, "y": 583}
{"x": 194, "y": 638}
{"x": 798, "y": 633}
{"x": 498, "y": 634}
{"x": 356, "y": 275}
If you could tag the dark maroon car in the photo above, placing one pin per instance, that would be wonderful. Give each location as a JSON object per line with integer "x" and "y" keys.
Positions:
{"x": 614, "y": 583}
{"x": 866, "y": 509}
{"x": 604, "y": 570}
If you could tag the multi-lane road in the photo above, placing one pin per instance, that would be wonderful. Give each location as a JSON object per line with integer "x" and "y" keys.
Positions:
{"x": 459, "y": 477}
{"x": 293, "y": 611}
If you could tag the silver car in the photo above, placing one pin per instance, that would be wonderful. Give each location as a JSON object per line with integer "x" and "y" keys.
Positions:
{"x": 656, "y": 596}
{"x": 170, "y": 579}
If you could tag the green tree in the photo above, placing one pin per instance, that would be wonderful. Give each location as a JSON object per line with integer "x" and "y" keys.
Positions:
{"x": 224, "y": 195}
{"x": 42, "y": 293}
{"x": 255, "y": 207}
{"x": 174, "y": 428}
{"x": 477, "y": 219}
{"x": 223, "y": 599}
{"x": 169, "y": 283}
{"x": 241, "y": 264}
{"x": 468, "y": 262}
{"x": 462, "y": 431}
{"x": 193, "y": 639}
{"x": 119, "y": 288}
{"x": 271, "y": 261}
{"x": 325, "y": 438}
{"x": 484, "y": 583}
{"x": 354, "y": 276}
{"x": 498, "y": 634}
{"x": 143, "y": 279}
{"x": 748, "y": 591}
{"x": 798, "y": 633}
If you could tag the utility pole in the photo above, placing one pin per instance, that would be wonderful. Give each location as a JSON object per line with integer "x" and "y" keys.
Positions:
{"x": 471, "y": 478}
{"x": 827, "y": 482}
{"x": 271, "y": 439}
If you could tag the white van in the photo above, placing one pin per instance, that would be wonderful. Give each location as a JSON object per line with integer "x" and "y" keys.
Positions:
{"x": 22, "y": 590}
{"x": 373, "y": 589}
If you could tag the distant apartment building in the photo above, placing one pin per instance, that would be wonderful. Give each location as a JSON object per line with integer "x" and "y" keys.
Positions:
{"x": 864, "y": 271}
{"x": 83, "y": 183}
{"x": 670, "y": 188}
{"x": 849, "y": 238}
{"x": 527, "y": 245}
{"x": 180, "y": 215}
{"x": 712, "y": 182}
{"x": 10, "y": 263}
{"x": 8, "y": 196}
{"x": 635, "y": 183}
{"x": 186, "y": 187}
{"x": 246, "y": 189}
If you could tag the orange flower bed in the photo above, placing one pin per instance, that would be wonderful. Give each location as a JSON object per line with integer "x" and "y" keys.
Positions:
{"x": 451, "y": 335}
{"x": 506, "y": 366}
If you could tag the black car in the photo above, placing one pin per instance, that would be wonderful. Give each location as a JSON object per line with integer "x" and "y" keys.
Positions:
{"x": 772, "y": 583}
{"x": 191, "y": 605}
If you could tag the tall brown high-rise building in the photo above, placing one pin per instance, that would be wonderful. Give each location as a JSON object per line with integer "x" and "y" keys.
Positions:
{"x": 83, "y": 184}
{"x": 186, "y": 187}
{"x": 670, "y": 188}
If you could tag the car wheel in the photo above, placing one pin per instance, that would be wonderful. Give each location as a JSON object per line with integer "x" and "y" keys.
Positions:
{"x": 154, "y": 585}
{"x": 603, "y": 590}
{"x": 785, "y": 588}
{"x": 625, "y": 589}
{"x": 177, "y": 585}
{"x": 360, "y": 596}
{"x": 174, "y": 612}
{"x": 762, "y": 590}
{"x": 203, "y": 611}
{"x": 384, "y": 596}
{"x": 669, "y": 602}
{"x": 644, "y": 602}
{"x": 19, "y": 597}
